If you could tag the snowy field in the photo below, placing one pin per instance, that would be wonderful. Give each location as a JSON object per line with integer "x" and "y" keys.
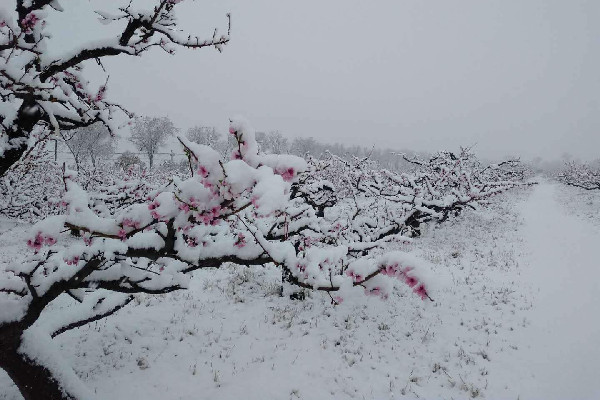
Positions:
{"x": 515, "y": 318}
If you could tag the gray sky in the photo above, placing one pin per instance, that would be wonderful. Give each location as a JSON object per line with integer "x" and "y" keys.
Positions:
{"x": 516, "y": 77}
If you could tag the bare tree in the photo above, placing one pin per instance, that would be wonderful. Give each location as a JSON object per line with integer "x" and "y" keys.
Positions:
{"x": 92, "y": 141}
{"x": 206, "y": 135}
{"x": 127, "y": 159}
{"x": 278, "y": 144}
{"x": 304, "y": 146}
{"x": 150, "y": 133}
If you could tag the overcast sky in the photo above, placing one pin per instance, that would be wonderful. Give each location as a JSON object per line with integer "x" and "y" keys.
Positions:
{"x": 517, "y": 77}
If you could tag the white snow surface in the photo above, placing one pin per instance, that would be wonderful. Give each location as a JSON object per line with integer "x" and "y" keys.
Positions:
{"x": 517, "y": 320}
{"x": 561, "y": 347}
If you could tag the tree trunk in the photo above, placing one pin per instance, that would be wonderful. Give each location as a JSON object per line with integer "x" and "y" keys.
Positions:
{"x": 34, "y": 381}
{"x": 28, "y": 116}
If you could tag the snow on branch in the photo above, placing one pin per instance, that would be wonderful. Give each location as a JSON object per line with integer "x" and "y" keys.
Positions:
{"x": 583, "y": 176}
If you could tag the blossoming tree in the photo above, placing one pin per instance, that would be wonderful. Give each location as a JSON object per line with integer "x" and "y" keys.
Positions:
{"x": 244, "y": 211}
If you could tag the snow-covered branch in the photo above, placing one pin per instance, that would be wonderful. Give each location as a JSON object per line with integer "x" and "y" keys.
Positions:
{"x": 583, "y": 176}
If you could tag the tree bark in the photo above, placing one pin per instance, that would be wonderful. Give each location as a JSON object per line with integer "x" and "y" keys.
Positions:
{"x": 34, "y": 381}
{"x": 28, "y": 116}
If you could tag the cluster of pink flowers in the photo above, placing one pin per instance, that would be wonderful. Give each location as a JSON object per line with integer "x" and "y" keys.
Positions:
{"x": 306, "y": 243}
{"x": 301, "y": 267}
{"x": 202, "y": 171}
{"x": 100, "y": 94}
{"x": 421, "y": 291}
{"x": 153, "y": 206}
{"x": 356, "y": 277}
{"x": 73, "y": 261}
{"x": 393, "y": 270}
{"x": 29, "y": 22}
{"x": 122, "y": 234}
{"x": 39, "y": 240}
{"x": 210, "y": 186}
{"x": 210, "y": 217}
{"x": 87, "y": 238}
{"x": 286, "y": 173}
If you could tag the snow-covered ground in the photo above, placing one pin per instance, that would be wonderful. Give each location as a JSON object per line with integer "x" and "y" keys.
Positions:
{"x": 561, "y": 348}
{"x": 514, "y": 319}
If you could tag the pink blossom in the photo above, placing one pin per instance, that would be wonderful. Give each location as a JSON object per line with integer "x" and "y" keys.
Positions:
{"x": 100, "y": 94}
{"x": 122, "y": 234}
{"x": 421, "y": 291}
{"x": 355, "y": 277}
{"x": 232, "y": 130}
{"x": 29, "y": 22}
{"x": 410, "y": 280}
{"x": 207, "y": 184}
{"x": 37, "y": 242}
{"x": 49, "y": 240}
{"x": 153, "y": 205}
{"x": 235, "y": 155}
{"x": 390, "y": 270}
{"x": 156, "y": 215}
{"x": 206, "y": 219}
{"x": 288, "y": 174}
{"x": 73, "y": 261}
{"x": 338, "y": 299}
{"x": 184, "y": 207}
{"x": 202, "y": 171}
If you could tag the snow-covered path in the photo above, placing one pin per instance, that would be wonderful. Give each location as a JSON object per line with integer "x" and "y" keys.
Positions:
{"x": 560, "y": 350}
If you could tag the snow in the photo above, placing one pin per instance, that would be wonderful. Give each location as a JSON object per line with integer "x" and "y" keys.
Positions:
{"x": 561, "y": 347}
{"x": 513, "y": 317}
